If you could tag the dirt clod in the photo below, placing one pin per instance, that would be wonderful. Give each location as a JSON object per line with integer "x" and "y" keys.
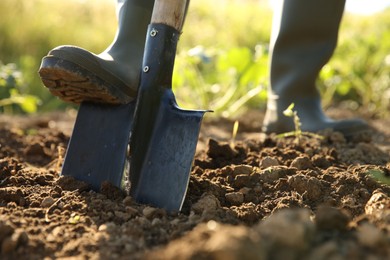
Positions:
{"x": 71, "y": 184}
{"x": 328, "y": 218}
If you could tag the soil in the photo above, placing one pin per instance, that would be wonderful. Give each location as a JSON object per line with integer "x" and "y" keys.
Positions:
{"x": 255, "y": 197}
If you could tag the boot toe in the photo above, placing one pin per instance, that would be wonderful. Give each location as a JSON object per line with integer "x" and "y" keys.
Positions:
{"x": 351, "y": 127}
{"x": 76, "y": 75}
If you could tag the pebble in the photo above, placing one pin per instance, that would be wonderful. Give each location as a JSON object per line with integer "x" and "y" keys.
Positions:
{"x": 268, "y": 162}
{"x": 302, "y": 163}
{"x": 107, "y": 227}
{"x": 325, "y": 251}
{"x": 35, "y": 149}
{"x": 142, "y": 221}
{"x": 292, "y": 228}
{"x": 122, "y": 215}
{"x": 175, "y": 222}
{"x": 148, "y": 212}
{"x": 232, "y": 242}
{"x": 321, "y": 162}
{"x": 131, "y": 211}
{"x": 47, "y": 202}
{"x": 235, "y": 198}
{"x": 309, "y": 185}
{"x": 128, "y": 201}
{"x": 8, "y": 245}
{"x": 156, "y": 221}
{"x": 242, "y": 169}
{"x": 56, "y": 233}
{"x": 242, "y": 180}
{"x": 208, "y": 202}
{"x": 378, "y": 205}
{"x": 329, "y": 218}
{"x": 272, "y": 173}
{"x": 245, "y": 190}
{"x": 5, "y": 230}
{"x": 12, "y": 242}
{"x": 370, "y": 236}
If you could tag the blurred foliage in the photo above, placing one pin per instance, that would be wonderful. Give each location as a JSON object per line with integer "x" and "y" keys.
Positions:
{"x": 222, "y": 55}
{"x": 379, "y": 175}
{"x": 29, "y": 29}
{"x": 359, "y": 71}
{"x": 12, "y": 91}
{"x": 222, "y": 80}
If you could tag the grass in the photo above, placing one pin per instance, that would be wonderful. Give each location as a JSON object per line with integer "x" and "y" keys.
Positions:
{"x": 30, "y": 29}
{"x": 222, "y": 58}
{"x": 359, "y": 71}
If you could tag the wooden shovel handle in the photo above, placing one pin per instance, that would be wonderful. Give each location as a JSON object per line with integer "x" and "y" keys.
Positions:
{"x": 170, "y": 12}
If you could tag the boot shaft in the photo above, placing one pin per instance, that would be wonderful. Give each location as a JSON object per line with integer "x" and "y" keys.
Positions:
{"x": 303, "y": 39}
{"x": 133, "y": 18}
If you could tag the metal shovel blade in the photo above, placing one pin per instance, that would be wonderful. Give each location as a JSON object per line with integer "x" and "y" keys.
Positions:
{"x": 164, "y": 137}
{"x": 98, "y": 146}
{"x": 161, "y": 161}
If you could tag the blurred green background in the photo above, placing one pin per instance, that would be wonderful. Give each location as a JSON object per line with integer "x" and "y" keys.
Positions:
{"x": 221, "y": 62}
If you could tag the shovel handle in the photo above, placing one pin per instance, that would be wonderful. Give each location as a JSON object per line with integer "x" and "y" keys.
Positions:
{"x": 170, "y": 12}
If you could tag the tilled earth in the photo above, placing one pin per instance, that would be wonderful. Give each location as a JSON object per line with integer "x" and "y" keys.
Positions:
{"x": 256, "y": 197}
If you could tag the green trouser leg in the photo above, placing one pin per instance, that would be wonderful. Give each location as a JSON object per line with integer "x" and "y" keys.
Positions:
{"x": 75, "y": 74}
{"x": 303, "y": 39}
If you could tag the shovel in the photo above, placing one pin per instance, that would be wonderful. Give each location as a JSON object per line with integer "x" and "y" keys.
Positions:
{"x": 164, "y": 137}
{"x": 98, "y": 147}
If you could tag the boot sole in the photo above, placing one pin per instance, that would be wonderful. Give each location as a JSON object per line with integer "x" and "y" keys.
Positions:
{"x": 73, "y": 83}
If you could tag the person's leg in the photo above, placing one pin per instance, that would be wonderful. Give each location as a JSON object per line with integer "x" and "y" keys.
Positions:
{"x": 303, "y": 39}
{"x": 77, "y": 75}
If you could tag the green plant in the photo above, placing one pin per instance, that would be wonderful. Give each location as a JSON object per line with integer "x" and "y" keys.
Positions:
{"x": 297, "y": 133}
{"x": 12, "y": 88}
{"x": 379, "y": 175}
{"x": 232, "y": 142}
{"x": 224, "y": 81}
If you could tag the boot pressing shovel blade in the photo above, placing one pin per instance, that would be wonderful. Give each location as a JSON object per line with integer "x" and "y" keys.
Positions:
{"x": 164, "y": 137}
{"x": 98, "y": 146}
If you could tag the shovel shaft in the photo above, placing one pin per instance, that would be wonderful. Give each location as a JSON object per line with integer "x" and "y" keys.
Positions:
{"x": 170, "y": 12}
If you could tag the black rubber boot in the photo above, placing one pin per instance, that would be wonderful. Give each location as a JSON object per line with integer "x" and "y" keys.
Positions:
{"x": 303, "y": 39}
{"x": 75, "y": 74}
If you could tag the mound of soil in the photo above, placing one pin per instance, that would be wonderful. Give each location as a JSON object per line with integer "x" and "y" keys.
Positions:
{"x": 256, "y": 197}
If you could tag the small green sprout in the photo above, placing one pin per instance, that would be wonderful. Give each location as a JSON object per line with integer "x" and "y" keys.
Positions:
{"x": 298, "y": 133}
{"x": 234, "y": 134}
